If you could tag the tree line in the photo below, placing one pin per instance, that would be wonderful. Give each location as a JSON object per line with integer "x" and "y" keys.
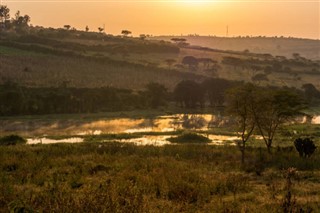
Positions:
{"x": 19, "y": 22}
{"x": 18, "y": 100}
{"x": 214, "y": 92}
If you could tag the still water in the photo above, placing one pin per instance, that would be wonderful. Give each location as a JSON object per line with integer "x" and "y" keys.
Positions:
{"x": 38, "y": 130}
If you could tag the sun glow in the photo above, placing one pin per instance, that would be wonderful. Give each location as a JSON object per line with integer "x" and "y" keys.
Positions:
{"x": 195, "y": 1}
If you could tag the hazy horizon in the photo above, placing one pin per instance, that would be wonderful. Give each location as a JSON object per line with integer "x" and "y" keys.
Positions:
{"x": 244, "y": 18}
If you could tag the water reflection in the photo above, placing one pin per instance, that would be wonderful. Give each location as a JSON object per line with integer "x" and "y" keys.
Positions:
{"x": 156, "y": 140}
{"x": 147, "y": 140}
{"x": 52, "y": 141}
{"x": 315, "y": 120}
{"x": 33, "y": 128}
{"x": 41, "y": 128}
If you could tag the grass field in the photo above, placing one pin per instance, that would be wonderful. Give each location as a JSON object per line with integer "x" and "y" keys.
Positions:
{"x": 111, "y": 177}
{"x": 79, "y": 62}
{"x": 276, "y": 46}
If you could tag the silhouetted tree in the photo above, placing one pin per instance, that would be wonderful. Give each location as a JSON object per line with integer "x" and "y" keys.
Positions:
{"x": 101, "y": 29}
{"x": 215, "y": 89}
{"x": 189, "y": 93}
{"x": 125, "y": 33}
{"x": 178, "y": 40}
{"x": 21, "y": 22}
{"x": 271, "y": 108}
{"x": 311, "y": 92}
{"x": 206, "y": 62}
{"x": 296, "y": 56}
{"x": 268, "y": 70}
{"x": 170, "y": 62}
{"x": 191, "y": 61}
{"x": 232, "y": 61}
{"x": 67, "y": 27}
{"x": 156, "y": 95}
{"x": 239, "y": 100}
{"x": 142, "y": 36}
{"x": 260, "y": 77}
{"x": 4, "y": 15}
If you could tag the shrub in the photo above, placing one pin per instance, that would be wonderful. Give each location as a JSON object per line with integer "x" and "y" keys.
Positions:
{"x": 12, "y": 140}
{"x": 305, "y": 147}
{"x": 189, "y": 138}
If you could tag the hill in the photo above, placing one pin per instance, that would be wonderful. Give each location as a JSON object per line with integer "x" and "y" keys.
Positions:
{"x": 46, "y": 57}
{"x": 277, "y": 46}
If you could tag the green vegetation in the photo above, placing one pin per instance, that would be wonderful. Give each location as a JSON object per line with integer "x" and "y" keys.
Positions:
{"x": 57, "y": 72}
{"x": 95, "y": 177}
{"x": 11, "y": 140}
{"x": 68, "y": 56}
{"x": 263, "y": 110}
{"x": 189, "y": 138}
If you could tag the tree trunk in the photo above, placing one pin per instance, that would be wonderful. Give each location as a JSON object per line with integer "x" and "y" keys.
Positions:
{"x": 242, "y": 156}
{"x": 242, "y": 149}
{"x": 269, "y": 146}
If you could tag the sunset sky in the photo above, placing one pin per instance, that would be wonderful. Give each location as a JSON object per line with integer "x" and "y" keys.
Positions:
{"x": 165, "y": 17}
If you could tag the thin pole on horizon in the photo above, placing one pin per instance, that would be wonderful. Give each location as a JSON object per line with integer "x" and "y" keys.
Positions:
{"x": 227, "y": 33}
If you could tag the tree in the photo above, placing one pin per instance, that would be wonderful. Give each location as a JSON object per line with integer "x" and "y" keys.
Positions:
{"x": 4, "y": 14}
{"x": 268, "y": 70}
{"x": 215, "y": 89}
{"x": 170, "y": 62}
{"x": 125, "y": 33}
{"x": 87, "y": 29}
{"x": 259, "y": 77}
{"x": 67, "y": 27}
{"x": 101, "y": 29}
{"x": 21, "y": 22}
{"x": 296, "y": 56}
{"x": 311, "y": 92}
{"x": 180, "y": 41}
{"x": 156, "y": 94}
{"x": 142, "y": 37}
{"x": 191, "y": 61}
{"x": 271, "y": 109}
{"x": 239, "y": 106}
{"x": 189, "y": 93}
{"x": 206, "y": 62}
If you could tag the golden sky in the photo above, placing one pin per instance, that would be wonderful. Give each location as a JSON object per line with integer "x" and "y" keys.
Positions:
{"x": 296, "y": 18}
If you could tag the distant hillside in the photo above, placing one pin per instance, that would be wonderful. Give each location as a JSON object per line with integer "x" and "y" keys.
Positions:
{"x": 57, "y": 57}
{"x": 46, "y": 57}
{"x": 276, "y": 46}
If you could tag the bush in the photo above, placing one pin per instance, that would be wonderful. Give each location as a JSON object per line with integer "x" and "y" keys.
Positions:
{"x": 305, "y": 147}
{"x": 12, "y": 140}
{"x": 189, "y": 138}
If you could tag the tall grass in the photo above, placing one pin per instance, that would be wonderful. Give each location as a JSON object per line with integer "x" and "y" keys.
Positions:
{"x": 114, "y": 177}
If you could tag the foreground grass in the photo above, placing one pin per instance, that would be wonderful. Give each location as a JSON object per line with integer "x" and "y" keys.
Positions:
{"x": 114, "y": 177}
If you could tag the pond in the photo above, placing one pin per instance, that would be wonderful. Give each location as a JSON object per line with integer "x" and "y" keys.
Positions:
{"x": 31, "y": 128}
{"x": 37, "y": 131}
{"x": 155, "y": 140}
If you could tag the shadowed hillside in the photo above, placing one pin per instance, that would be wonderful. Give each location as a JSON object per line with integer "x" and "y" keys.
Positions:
{"x": 276, "y": 46}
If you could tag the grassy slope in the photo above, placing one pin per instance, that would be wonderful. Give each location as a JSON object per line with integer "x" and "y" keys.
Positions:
{"x": 52, "y": 70}
{"x": 123, "y": 178}
{"x": 276, "y": 46}
{"x": 131, "y": 71}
